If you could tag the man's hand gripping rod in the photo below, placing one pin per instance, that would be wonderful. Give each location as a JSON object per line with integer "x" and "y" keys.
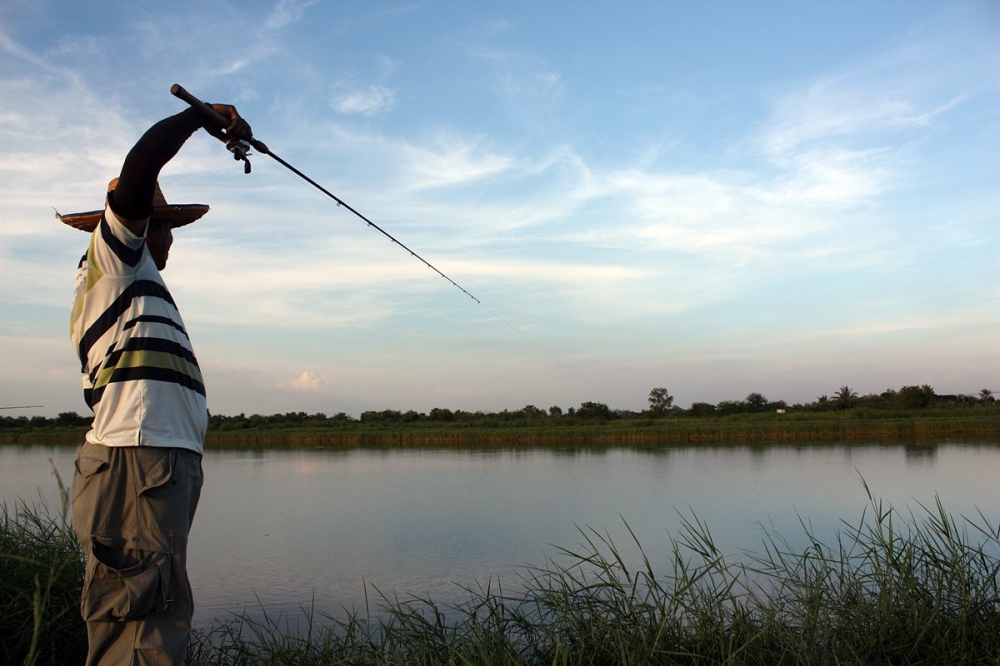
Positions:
{"x": 241, "y": 146}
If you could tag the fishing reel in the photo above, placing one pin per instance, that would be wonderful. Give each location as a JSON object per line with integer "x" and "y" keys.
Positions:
{"x": 240, "y": 148}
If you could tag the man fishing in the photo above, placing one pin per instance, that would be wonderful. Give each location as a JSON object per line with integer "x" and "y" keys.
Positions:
{"x": 138, "y": 474}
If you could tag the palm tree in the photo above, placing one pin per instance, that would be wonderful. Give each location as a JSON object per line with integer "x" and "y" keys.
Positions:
{"x": 845, "y": 398}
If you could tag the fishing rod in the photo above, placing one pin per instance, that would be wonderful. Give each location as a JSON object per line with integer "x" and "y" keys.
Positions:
{"x": 240, "y": 148}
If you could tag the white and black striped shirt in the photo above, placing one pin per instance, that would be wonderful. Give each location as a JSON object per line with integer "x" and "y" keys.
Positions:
{"x": 140, "y": 374}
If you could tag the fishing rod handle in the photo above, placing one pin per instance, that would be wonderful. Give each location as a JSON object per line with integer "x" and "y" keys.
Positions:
{"x": 178, "y": 91}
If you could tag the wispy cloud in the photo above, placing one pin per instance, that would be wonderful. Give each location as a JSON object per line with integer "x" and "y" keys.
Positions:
{"x": 523, "y": 80}
{"x": 369, "y": 100}
{"x": 387, "y": 65}
{"x": 12, "y": 48}
{"x": 286, "y": 12}
{"x": 451, "y": 160}
{"x": 908, "y": 87}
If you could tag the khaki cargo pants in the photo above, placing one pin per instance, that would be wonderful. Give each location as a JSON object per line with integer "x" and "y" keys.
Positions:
{"x": 132, "y": 511}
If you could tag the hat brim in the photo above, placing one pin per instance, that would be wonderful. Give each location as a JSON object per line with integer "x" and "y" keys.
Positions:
{"x": 177, "y": 214}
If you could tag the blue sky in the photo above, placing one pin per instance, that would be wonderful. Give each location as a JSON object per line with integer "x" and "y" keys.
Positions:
{"x": 716, "y": 197}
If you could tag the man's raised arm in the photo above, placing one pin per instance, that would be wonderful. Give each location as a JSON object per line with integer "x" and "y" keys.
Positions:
{"x": 132, "y": 199}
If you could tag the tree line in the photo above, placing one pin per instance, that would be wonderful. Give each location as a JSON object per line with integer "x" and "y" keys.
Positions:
{"x": 661, "y": 406}
{"x": 907, "y": 398}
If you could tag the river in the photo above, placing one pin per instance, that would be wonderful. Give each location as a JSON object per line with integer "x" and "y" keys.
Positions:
{"x": 280, "y": 530}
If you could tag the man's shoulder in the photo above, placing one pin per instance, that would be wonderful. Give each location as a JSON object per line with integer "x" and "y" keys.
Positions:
{"x": 115, "y": 247}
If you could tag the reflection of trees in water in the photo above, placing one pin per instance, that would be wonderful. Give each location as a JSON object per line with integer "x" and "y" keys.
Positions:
{"x": 920, "y": 452}
{"x": 757, "y": 454}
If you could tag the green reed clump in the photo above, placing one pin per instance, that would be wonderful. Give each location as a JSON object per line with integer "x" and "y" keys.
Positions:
{"x": 892, "y": 589}
{"x": 41, "y": 577}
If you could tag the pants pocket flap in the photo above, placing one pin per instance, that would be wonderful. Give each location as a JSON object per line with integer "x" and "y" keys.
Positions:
{"x": 119, "y": 595}
{"x": 158, "y": 473}
{"x": 90, "y": 466}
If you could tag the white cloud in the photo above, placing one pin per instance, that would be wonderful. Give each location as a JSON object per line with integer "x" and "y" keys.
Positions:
{"x": 307, "y": 381}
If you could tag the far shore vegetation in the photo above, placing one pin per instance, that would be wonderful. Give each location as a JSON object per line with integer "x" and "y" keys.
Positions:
{"x": 907, "y": 413}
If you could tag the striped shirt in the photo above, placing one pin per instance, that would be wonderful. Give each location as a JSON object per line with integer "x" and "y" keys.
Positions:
{"x": 140, "y": 375}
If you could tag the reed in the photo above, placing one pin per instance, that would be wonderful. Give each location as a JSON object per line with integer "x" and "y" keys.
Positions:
{"x": 41, "y": 577}
{"x": 891, "y": 589}
{"x": 746, "y": 430}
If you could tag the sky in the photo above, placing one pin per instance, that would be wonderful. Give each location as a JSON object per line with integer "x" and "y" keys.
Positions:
{"x": 717, "y": 198}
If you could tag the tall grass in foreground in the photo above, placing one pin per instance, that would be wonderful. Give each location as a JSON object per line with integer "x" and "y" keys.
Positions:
{"x": 891, "y": 589}
{"x": 916, "y": 588}
{"x": 41, "y": 577}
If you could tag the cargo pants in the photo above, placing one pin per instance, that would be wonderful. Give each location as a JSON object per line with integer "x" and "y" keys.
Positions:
{"x": 132, "y": 512}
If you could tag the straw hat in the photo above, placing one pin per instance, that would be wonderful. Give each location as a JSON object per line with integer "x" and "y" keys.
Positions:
{"x": 177, "y": 214}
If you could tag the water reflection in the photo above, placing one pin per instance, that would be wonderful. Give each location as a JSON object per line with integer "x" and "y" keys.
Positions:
{"x": 916, "y": 453}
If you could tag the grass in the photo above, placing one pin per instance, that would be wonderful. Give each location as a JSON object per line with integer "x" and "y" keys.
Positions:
{"x": 41, "y": 578}
{"x": 892, "y": 588}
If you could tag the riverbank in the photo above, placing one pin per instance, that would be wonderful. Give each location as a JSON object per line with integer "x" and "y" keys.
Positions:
{"x": 741, "y": 429}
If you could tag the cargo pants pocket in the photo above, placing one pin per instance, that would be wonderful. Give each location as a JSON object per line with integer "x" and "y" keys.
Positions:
{"x": 119, "y": 594}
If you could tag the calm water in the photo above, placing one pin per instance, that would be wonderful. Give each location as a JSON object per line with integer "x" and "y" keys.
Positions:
{"x": 283, "y": 527}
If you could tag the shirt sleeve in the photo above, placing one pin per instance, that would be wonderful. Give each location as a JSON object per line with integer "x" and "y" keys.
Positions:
{"x": 114, "y": 250}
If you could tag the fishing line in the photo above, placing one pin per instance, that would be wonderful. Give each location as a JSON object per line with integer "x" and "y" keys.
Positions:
{"x": 240, "y": 148}
{"x": 543, "y": 350}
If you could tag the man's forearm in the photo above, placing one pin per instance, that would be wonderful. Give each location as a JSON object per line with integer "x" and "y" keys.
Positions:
{"x": 132, "y": 198}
